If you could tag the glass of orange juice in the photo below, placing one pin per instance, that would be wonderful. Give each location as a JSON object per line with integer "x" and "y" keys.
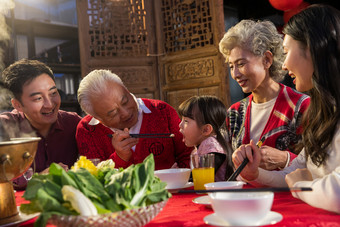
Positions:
{"x": 203, "y": 169}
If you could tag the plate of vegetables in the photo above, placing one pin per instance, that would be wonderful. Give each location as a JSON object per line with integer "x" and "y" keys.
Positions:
{"x": 101, "y": 195}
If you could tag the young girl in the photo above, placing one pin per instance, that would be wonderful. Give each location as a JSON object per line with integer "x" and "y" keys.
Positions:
{"x": 203, "y": 126}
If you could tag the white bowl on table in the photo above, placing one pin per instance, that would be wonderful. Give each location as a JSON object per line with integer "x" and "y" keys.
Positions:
{"x": 242, "y": 208}
{"x": 175, "y": 178}
{"x": 205, "y": 200}
{"x": 224, "y": 185}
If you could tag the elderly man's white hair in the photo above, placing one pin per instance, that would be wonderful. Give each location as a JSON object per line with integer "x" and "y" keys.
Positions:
{"x": 95, "y": 85}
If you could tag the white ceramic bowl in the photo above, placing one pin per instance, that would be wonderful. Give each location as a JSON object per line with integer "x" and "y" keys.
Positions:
{"x": 242, "y": 208}
{"x": 175, "y": 178}
{"x": 224, "y": 185}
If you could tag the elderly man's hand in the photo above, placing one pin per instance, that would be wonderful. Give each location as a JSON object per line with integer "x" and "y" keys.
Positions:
{"x": 122, "y": 143}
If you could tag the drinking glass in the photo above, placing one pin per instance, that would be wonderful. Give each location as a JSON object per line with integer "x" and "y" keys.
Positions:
{"x": 203, "y": 169}
{"x": 28, "y": 174}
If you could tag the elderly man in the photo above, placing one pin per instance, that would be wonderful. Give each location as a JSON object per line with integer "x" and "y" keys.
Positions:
{"x": 114, "y": 114}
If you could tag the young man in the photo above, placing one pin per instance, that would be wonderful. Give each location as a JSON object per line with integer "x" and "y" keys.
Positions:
{"x": 36, "y": 105}
{"x": 114, "y": 111}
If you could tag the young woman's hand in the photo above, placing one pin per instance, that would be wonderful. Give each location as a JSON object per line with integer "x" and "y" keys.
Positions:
{"x": 298, "y": 175}
{"x": 252, "y": 152}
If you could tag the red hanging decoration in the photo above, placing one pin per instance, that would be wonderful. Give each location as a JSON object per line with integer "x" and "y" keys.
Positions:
{"x": 289, "y": 13}
{"x": 285, "y": 5}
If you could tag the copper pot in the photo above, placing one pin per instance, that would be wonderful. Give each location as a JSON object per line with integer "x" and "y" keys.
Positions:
{"x": 16, "y": 156}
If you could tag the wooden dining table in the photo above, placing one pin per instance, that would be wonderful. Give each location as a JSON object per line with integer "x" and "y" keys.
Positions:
{"x": 180, "y": 210}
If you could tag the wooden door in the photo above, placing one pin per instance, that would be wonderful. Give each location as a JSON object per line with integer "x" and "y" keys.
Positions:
{"x": 192, "y": 64}
{"x": 118, "y": 35}
{"x": 163, "y": 49}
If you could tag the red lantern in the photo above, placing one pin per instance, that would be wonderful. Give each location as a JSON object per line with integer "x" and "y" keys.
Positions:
{"x": 289, "y": 13}
{"x": 285, "y": 4}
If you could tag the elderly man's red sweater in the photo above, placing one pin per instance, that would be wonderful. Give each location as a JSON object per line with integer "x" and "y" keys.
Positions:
{"x": 93, "y": 141}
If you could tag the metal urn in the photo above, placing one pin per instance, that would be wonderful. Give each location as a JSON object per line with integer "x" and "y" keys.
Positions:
{"x": 16, "y": 156}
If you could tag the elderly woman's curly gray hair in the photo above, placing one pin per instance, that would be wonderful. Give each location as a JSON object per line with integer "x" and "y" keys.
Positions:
{"x": 256, "y": 37}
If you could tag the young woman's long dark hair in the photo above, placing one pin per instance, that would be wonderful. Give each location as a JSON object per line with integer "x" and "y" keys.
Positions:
{"x": 318, "y": 29}
{"x": 209, "y": 110}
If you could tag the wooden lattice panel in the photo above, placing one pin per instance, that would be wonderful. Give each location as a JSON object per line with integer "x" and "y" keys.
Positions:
{"x": 117, "y": 28}
{"x": 192, "y": 69}
{"x": 166, "y": 49}
{"x": 135, "y": 76}
{"x": 214, "y": 90}
{"x": 187, "y": 24}
{"x": 175, "y": 98}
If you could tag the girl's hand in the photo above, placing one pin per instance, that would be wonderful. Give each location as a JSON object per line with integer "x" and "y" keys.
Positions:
{"x": 122, "y": 143}
{"x": 272, "y": 158}
{"x": 252, "y": 152}
{"x": 298, "y": 175}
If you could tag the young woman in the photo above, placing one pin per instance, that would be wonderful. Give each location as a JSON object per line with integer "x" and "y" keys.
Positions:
{"x": 272, "y": 112}
{"x": 312, "y": 48}
{"x": 203, "y": 126}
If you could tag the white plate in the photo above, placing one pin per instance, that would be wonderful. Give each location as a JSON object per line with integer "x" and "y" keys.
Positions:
{"x": 204, "y": 200}
{"x": 187, "y": 185}
{"x": 21, "y": 218}
{"x": 270, "y": 219}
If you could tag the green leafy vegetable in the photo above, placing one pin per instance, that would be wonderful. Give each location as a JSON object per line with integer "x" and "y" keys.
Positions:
{"x": 109, "y": 190}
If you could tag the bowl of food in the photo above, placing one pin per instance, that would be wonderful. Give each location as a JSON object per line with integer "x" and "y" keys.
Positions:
{"x": 175, "y": 178}
{"x": 224, "y": 185}
{"x": 241, "y": 208}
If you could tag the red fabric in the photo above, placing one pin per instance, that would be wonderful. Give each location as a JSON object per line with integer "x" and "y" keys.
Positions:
{"x": 93, "y": 141}
{"x": 285, "y": 4}
{"x": 181, "y": 211}
{"x": 289, "y": 13}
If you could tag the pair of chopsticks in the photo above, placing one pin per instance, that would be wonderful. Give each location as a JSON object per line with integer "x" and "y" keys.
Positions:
{"x": 244, "y": 163}
{"x": 282, "y": 189}
{"x": 150, "y": 135}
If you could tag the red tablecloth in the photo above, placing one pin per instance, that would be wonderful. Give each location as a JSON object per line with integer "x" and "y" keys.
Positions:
{"x": 181, "y": 211}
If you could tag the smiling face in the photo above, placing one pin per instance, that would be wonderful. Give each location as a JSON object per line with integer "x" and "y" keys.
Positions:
{"x": 247, "y": 69}
{"x": 299, "y": 64}
{"x": 40, "y": 102}
{"x": 116, "y": 107}
{"x": 192, "y": 133}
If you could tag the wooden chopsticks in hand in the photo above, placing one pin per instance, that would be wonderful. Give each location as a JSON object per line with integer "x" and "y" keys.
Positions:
{"x": 282, "y": 189}
{"x": 156, "y": 135}
{"x": 150, "y": 135}
{"x": 243, "y": 164}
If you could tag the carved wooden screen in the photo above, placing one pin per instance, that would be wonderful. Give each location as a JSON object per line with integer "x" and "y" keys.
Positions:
{"x": 118, "y": 35}
{"x": 166, "y": 49}
{"x": 192, "y": 64}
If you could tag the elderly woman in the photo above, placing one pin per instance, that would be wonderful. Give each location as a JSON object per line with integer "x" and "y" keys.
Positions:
{"x": 312, "y": 48}
{"x": 272, "y": 112}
